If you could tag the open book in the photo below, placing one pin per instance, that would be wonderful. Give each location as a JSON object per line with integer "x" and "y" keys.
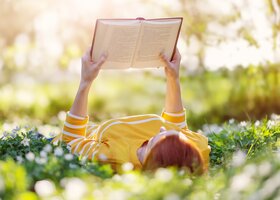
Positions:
{"x": 135, "y": 43}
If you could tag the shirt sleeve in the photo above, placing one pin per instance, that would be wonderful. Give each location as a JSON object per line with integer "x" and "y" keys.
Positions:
{"x": 177, "y": 118}
{"x": 74, "y": 133}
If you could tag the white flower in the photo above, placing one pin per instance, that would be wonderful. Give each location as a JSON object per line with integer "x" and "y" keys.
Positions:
{"x": 73, "y": 166}
{"x": 68, "y": 156}
{"x": 187, "y": 182}
{"x": 83, "y": 160}
{"x": 26, "y": 127}
{"x": 238, "y": 158}
{"x": 270, "y": 124}
{"x": 58, "y": 151}
{"x": 163, "y": 174}
{"x": 62, "y": 115}
{"x": 69, "y": 148}
{"x": 243, "y": 124}
{"x": 211, "y": 128}
{"x": 16, "y": 129}
{"x": 117, "y": 178}
{"x": 127, "y": 166}
{"x": 275, "y": 117}
{"x": 47, "y": 148}
{"x": 231, "y": 121}
{"x": 217, "y": 196}
{"x": 264, "y": 168}
{"x": 44, "y": 188}
{"x": 250, "y": 169}
{"x": 19, "y": 159}
{"x": 30, "y": 156}
{"x": 128, "y": 178}
{"x": 5, "y": 134}
{"x": 270, "y": 187}
{"x": 257, "y": 123}
{"x": 172, "y": 196}
{"x": 25, "y": 142}
{"x": 240, "y": 182}
{"x": 13, "y": 134}
{"x": 75, "y": 189}
{"x": 118, "y": 194}
{"x": 41, "y": 161}
{"x": 43, "y": 154}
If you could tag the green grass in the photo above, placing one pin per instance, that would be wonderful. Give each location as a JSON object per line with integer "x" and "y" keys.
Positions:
{"x": 245, "y": 164}
{"x": 210, "y": 97}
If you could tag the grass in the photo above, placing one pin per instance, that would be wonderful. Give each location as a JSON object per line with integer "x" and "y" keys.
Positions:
{"x": 245, "y": 164}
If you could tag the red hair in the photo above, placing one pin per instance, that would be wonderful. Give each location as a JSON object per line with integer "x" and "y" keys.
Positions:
{"x": 174, "y": 151}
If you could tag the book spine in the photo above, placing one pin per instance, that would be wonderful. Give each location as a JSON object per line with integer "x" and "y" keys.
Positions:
{"x": 93, "y": 39}
{"x": 179, "y": 30}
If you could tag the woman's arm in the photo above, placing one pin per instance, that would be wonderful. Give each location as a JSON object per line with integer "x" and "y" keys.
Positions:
{"x": 173, "y": 100}
{"x": 89, "y": 72}
{"x": 174, "y": 111}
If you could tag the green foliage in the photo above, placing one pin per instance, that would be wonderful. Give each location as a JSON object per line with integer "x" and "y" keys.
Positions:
{"x": 245, "y": 164}
{"x": 210, "y": 97}
{"x": 254, "y": 140}
{"x": 13, "y": 181}
{"x": 44, "y": 160}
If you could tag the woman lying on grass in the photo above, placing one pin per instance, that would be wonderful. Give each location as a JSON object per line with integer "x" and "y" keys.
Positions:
{"x": 148, "y": 141}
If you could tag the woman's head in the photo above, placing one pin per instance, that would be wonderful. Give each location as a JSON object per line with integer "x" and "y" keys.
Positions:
{"x": 170, "y": 148}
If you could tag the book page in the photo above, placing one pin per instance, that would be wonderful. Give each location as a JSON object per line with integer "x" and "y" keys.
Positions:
{"x": 155, "y": 37}
{"x": 118, "y": 40}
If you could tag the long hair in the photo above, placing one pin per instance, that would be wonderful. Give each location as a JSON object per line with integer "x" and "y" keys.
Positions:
{"x": 174, "y": 151}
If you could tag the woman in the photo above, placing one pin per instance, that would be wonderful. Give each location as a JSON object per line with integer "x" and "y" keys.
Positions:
{"x": 147, "y": 141}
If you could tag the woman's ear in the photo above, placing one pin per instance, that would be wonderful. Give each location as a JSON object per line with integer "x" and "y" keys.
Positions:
{"x": 141, "y": 151}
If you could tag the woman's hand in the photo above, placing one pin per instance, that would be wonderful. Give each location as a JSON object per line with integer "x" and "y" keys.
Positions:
{"x": 173, "y": 99}
{"x": 90, "y": 68}
{"x": 172, "y": 67}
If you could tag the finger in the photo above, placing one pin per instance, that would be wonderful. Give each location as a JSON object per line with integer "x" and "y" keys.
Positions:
{"x": 177, "y": 56}
{"x": 101, "y": 59}
{"x": 164, "y": 58}
{"x": 86, "y": 57}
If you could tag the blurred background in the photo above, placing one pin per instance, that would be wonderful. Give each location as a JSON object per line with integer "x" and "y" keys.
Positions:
{"x": 230, "y": 60}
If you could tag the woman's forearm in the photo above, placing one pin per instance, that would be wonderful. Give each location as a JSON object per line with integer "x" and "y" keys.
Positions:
{"x": 90, "y": 70}
{"x": 80, "y": 104}
{"x": 173, "y": 99}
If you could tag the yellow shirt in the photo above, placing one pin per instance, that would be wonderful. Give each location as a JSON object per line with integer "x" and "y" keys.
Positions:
{"x": 116, "y": 141}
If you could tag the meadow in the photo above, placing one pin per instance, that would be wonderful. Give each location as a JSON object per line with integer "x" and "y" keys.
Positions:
{"x": 245, "y": 164}
{"x": 245, "y": 158}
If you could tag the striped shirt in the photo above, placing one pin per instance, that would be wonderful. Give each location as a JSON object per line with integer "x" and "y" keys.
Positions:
{"x": 116, "y": 141}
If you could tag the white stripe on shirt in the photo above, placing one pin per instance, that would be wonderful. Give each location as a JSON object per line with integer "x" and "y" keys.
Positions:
{"x": 81, "y": 152}
{"x": 175, "y": 114}
{"x": 71, "y": 134}
{"x": 75, "y": 140}
{"x": 133, "y": 122}
{"x": 77, "y": 146}
{"x": 76, "y": 116}
{"x": 74, "y": 126}
{"x": 91, "y": 145}
{"x": 181, "y": 124}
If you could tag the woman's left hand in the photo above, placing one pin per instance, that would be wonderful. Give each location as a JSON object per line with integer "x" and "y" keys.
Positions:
{"x": 91, "y": 68}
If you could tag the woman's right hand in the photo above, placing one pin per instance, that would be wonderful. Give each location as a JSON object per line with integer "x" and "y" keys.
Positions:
{"x": 172, "y": 67}
{"x": 91, "y": 68}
